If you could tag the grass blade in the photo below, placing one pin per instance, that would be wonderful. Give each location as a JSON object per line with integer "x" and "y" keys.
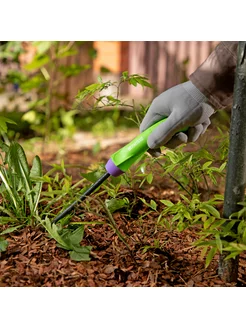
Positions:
{"x": 8, "y": 188}
{"x": 36, "y": 172}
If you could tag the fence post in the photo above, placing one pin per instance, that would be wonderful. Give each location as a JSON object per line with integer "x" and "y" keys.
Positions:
{"x": 236, "y": 169}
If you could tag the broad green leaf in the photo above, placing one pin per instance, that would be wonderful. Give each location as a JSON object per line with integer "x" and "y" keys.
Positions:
{"x": 115, "y": 204}
{"x": 185, "y": 198}
{"x": 71, "y": 241}
{"x": 30, "y": 117}
{"x": 18, "y": 163}
{"x": 210, "y": 209}
{"x": 67, "y": 53}
{"x": 208, "y": 222}
{"x": 37, "y": 62}
{"x": 33, "y": 82}
{"x": 68, "y": 118}
{"x": 206, "y": 165}
{"x": 218, "y": 197}
{"x": 17, "y": 158}
{"x": 125, "y": 75}
{"x": 217, "y": 224}
{"x": 210, "y": 256}
{"x": 218, "y": 243}
{"x": 235, "y": 247}
{"x": 239, "y": 214}
{"x": 3, "y": 124}
{"x": 73, "y": 69}
{"x": 143, "y": 82}
{"x": 187, "y": 215}
{"x": 113, "y": 100}
{"x": 181, "y": 226}
{"x": 6, "y": 220}
{"x": 149, "y": 178}
{"x": 232, "y": 255}
{"x": 168, "y": 203}
{"x": 229, "y": 226}
{"x": 4, "y": 146}
{"x": 53, "y": 230}
{"x": 92, "y": 176}
{"x": 222, "y": 167}
{"x": 205, "y": 243}
{"x": 3, "y": 245}
{"x": 204, "y": 251}
{"x": 83, "y": 255}
{"x": 244, "y": 236}
{"x": 133, "y": 82}
{"x": 73, "y": 237}
{"x": 241, "y": 227}
{"x": 94, "y": 87}
{"x": 153, "y": 204}
{"x": 11, "y": 229}
{"x": 36, "y": 169}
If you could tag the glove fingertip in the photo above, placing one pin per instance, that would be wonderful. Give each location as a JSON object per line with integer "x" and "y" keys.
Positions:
{"x": 155, "y": 152}
{"x": 179, "y": 139}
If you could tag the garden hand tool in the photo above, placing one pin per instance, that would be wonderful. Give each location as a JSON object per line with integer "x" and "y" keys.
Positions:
{"x": 118, "y": 163}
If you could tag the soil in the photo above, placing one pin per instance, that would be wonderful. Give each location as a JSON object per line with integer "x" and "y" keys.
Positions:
{"x": 155, "y": 257}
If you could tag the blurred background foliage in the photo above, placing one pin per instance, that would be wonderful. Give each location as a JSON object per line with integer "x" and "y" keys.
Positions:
{"x": 39, "y": 82}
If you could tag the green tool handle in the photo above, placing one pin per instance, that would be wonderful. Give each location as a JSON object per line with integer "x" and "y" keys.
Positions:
{"x": 134, "y": 150}
{"x": 119, "y": 162}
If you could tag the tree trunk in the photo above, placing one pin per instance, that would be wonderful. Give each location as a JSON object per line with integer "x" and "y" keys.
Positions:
{"x": 236, "y": 170}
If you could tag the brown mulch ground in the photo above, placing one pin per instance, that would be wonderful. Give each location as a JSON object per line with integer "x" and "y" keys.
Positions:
{"x": 33, "y": 259}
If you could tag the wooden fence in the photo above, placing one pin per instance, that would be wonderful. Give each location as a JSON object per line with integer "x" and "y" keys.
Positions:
{"x": 166, "y": 63}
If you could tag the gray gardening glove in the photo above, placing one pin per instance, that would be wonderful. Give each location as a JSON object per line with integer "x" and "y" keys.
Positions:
{"x": 184, "y": 106}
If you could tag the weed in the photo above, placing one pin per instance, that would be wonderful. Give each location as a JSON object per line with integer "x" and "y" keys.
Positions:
{"x": 20, "y": 187}
{"x": 68, "y": 239}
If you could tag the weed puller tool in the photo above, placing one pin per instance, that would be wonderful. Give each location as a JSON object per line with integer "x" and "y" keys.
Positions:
{"x": 119, "y": 162}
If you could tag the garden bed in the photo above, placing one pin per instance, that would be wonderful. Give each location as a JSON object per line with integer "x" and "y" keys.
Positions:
{"x": 154, "y": 257}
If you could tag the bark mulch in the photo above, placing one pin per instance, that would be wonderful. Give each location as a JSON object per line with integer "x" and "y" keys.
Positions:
{"x": 33, "y": 259}
{"x": 157, "y": 257}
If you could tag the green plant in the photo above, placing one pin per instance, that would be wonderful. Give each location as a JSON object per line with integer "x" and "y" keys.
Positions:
{"x": 25, "y": 201}
{"x": 186, "y": 212}
{"x": 20, "y": 187}
{"x": 41, "y": 78}
{"x": 224, "y": 235}
{"x": 196, "y": 174}
{"x": 3, "y": 124}
{"x": 68, "y": 239}
{"x": 23, "y": 197}
{"x": 193, "y": 171}
{"x": 96, "y": 98}
{"x": 115, "y": 199}
{"x": 101, "y": 101}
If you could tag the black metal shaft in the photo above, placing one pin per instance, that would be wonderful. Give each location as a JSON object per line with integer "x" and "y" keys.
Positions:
{"x": 236, "y": 168}
{"x": 82, "y": 197}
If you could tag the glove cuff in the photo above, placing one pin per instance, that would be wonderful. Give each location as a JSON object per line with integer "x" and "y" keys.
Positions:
{"x": 194, "y": 92}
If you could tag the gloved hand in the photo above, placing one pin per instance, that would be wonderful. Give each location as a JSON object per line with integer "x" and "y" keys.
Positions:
{"x": 184, "y": 106}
